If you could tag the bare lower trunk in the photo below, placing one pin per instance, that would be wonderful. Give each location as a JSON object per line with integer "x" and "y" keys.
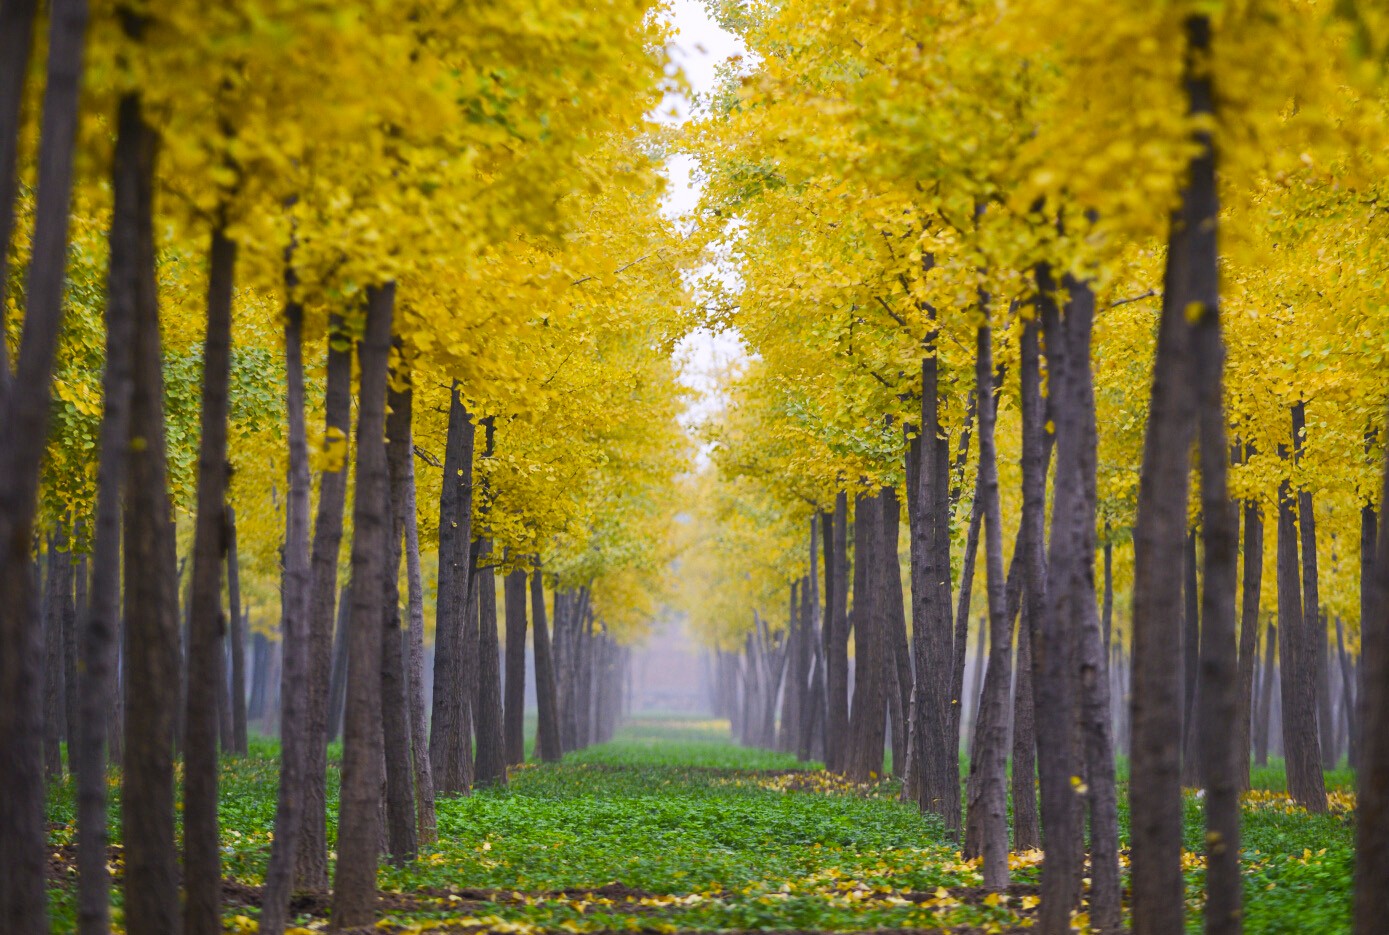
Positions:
{"x": 1262, "y": 716}
{"x": 1027, "y": 834}
{"x": 202, "y": 865}
{"x": 100, "y": 628}
{"x": 900, "y": 680}
{"x": 401, "y": 834}
{"x": 866, "y": 718}
{"x": 450, "y": 738}
{"x": 419, "y": 731}
{"x": 1248, "y": 637}
{"x": 1155, "y": 787}
{"x": 514, "y": 710}
{"x": 1299, "y": 707}
{"x": 311, "y": 862}
{"x": 24, "y": 408}
{"x": 294, "y": 662}
{"x": 989, "y": 795}
{"x": 354, "y": 883}
{"x": 1372, "y": 778}
{"x": 934, "y": 715}
{"x": 491, "y": 751}
{"x": 836, "y": 635}
{"x": 547, "y": 742}
{"x": 1314, "y": 619}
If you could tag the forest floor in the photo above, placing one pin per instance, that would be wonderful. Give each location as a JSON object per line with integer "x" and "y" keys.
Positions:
{"x": 673, "y": 828}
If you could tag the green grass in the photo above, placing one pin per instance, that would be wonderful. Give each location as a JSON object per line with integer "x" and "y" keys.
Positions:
{"x": 670, "y": 826}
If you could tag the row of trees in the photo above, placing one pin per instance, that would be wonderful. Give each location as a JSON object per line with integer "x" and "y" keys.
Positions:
{"x": 986, "y": 261}
{"x": 221, "y": 246}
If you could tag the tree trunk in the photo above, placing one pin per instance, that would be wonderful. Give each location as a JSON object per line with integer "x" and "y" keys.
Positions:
{"x": 24, "y": 408}
{"x": 1191, "y": 665}
{"x": 294, "y": 648}
{"x": 450, "y": 738}
{"x": 1248, "y": 637}
{"x": 514, "y": 709}
{"x": 1219, "y": 689}
{"x": 238, "y": 639}
{"x": 101, "y": 625}
{"x": 1300, "y": 741}
{"x": 1055, "y": 623}
{"x": 547, "y": 742}
{"x": 311, "y": 862}
{"x": 52, "y": 615}
{"x": 988, "y": 799}
{"x": 1314, "y": 622}
{"x": 337, "y": 686}
{"x": 395, "y": 720}
{"x": 866, "y": 718}
{"x": 1372, "y": 777}
{"x": 787, "y": 727}
{"x": 1347, "y": 690}
{"x": 354, "y": 883}
{"x": 1031, "y": 537}
{"x": 202, "y": 865}
{"x": 1262, "y": 716}
{"x": 899, "y": 654}
{"x": 1369, "y": 535}
{"x": 934, "y": 708}
{"x": 491, "y": 749}
{"x": 836, "y": 634}
{"x": 151, "y": 650}
{"x": 1155, "y": 787}
{"x": 419, "y": 731}
{"x": 74, "y": 596}
{"x": 16, "y": 47}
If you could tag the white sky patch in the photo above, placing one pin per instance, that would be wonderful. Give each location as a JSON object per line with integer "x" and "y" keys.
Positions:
{"x": 698, "y": 48}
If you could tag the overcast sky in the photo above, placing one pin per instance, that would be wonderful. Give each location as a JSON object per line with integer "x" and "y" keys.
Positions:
{"x": 699, "y": 47}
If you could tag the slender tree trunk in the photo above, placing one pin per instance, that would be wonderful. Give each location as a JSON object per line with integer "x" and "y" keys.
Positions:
{"x": 866, "y": 718}
{"x": 24, "y": 408}
{"x": 514, "y": 709}
{"x": 202, "y": 865}
{"x": 1107, "y": 600}
{"x": 989, "y": 796}
{"x": 1248, "y": 637}
{"x": 311, "y": 861}
{"x": 151, "y": 650}
{"x": 294, "y": 643}
{"x": 1262, "y": 717}
{"x": 1347, "y": 691}
{"x": 238, "y": 639}
{"x": 1300, "y": 742}
{"x": 934, "y": 708}
{"x": 16, "y": 47}
{"x": 1055, "y": 624}
{"x": 787, "y": 728}
{"x": 1372, "y": 778}
{"x": 74, "y": 595}
{"x": 900, "y": 670}
{"x": 337, "y": 686}
{"x": 419, "y": 731}
{"x": 491, "y": 749}
{"x": 100, "y": 627}
{"x": 959, "y": 700}
{"x": 52, "y": 615}
{"x": 450, "y": 738}
{"x": 395, "y": 719}
{"x": 1369, "y": 536}
{"x": 837, "y": 634}
{"x": 547, "y": 742}
{"x": 1191, "y": 667}
{"x": 1155, "y": 787}
{"x": 1219, "y": 689}
{"x": 354, "y": 883}
{"x": 1314, "y": 622}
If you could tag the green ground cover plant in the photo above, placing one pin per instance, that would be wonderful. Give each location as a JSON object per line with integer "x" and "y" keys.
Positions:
{"x": 670, "y": 827}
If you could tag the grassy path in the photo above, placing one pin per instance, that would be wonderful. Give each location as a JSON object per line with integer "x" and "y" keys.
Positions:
{"x": 672, "y": 828}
